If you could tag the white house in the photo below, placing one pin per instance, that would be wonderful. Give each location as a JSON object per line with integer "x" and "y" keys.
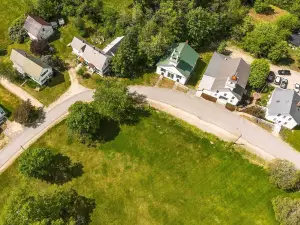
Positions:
{"x": 225, "y": 79}
{"x": 30, "y": 66}
{"x": 37, "y": 28}
{"x": 179, "y": 63}
{"x": 284, "y": 108}
{"x": 96, "y": 59}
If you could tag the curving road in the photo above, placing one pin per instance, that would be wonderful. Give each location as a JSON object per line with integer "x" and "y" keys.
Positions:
{"x": 206, "y": 111}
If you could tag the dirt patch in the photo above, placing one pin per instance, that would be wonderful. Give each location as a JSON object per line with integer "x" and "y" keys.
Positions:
{"x": 267, "y": 17}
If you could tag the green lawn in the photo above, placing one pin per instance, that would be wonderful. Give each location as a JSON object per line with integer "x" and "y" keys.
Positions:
{"x": 52, "y": 91}
{"x": 160, "y": 171}
{"x": 8, "y": 101}
{"x": 10, "y": 10}
{"x": 292, "y": 137}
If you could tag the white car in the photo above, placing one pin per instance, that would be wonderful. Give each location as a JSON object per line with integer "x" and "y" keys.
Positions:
{"x": 277, "y": 80}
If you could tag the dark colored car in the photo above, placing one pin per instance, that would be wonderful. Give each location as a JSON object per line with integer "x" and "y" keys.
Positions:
{"x": 271, "y": 76}
{"x": 284, "y": 72}
{"x": 277, "y": 80}
{"x": 284, "y": 83}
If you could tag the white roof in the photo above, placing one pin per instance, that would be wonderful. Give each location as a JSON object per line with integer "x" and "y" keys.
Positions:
{"x": 112, "y": 47}
{"x": 206, "y": 82}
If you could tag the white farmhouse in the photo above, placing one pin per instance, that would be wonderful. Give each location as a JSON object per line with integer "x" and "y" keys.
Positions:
{"x": 225, "y": 79}
{"x": 97, "y": 60}
{"x": 284, "y": 108}
{"x": 30, "y": 66}
{"x": 179, "y": 63}
{"x": 37, "y": 28}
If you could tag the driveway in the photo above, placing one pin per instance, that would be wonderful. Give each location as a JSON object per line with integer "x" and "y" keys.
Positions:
{"x": 293, "y": 79}
{"x": 220, "y": 117}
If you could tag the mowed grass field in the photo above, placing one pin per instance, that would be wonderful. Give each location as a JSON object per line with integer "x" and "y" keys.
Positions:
{"x": 160, "y": 171}
{"x": 8, "y": 101}
{"x": 10, "y": 10}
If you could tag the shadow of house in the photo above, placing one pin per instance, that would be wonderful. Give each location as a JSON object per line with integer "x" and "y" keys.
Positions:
{"x": 57, "y": 79}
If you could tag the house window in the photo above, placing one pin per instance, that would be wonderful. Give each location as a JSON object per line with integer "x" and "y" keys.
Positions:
{"x": 285, "y": 123}
{"x": 178, "y": 77}
{"x": 225, "y": 94}
{"x": 290, "y": 119}
{"x": 284, "y": 117}
{"x": 232, "y": 98}
{"x": 279, "y": 121}
{"x": 44, "y": 73}
{"x": 171, "y": 75}
{"x": 274, "y": 119}
{"x": 215, "y": 94}
{"x": 162, "y": 70}
{"x": 279, "y": 114}
{"x": 217, "y": 91}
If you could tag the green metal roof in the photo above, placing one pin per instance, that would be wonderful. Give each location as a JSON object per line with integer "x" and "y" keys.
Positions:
{"x": 187, "y": 58}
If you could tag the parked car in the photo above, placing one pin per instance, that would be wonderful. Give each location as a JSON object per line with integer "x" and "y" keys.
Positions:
{"x": 284, "y": 72}
{"x": 297, "y": 87}
{"x": 284, "y": 83}
{"x": 277, "y": 80}
{"x": 271, "y": 76}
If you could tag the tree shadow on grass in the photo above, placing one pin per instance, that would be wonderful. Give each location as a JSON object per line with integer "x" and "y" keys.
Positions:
{"x": 57, "y": 79}
{"x": 286, "y": 62}
{"x": 109, "y": 130}
{"x": 62, "y": 170}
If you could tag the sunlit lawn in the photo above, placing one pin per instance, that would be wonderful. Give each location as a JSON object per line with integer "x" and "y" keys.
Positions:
{"x": 159, "y": 171}
{"x": 8, "y": 101}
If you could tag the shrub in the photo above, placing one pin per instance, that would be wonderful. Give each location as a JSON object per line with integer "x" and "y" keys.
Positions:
{"x": 42, "y": 163}
{"x": 40, "y": 47}
{"x": 289, "y": 22}
{"x": 279, "y": 51}
{"x": 16, "y": 32}
{"x": 260, "y": 69}
{"x": 59, "y": 207}
{"x": 222, "y": 47}
{"x": 261, "y": 6}
{"x": 255, "y": 111}
{"x": 54, "y": 61}
{"x": 26, "y": 114}
{"x": 81, "y": 71}
{"x": 287, "y": 210}
{"x": 283, "y": 174}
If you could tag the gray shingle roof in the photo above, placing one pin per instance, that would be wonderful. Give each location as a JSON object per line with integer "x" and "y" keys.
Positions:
{"x": 222, "y": 67}
{"x": 285, "y": 102}
{"x": 33, "y": 24}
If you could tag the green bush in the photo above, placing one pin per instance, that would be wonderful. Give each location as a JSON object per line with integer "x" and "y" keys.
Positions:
{"x": 16, "y": 32}
{"x": 261, "y": 6}
{"x": 287, "y": 210}
{"x": 260, "y": 69}
{"x": 283, "y": 174}
{"x": 289, "y": 22}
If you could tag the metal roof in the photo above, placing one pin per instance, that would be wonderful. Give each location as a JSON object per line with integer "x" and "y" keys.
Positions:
{"x": 285, "y": 102}
{"x": 33, "y": 24}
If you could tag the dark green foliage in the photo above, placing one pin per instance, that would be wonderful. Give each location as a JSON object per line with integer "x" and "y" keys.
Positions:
{"x": 222, "y": 47}
{"x": 287, "y": 210}
{"x": 16, "y": 31}
{"x": 44, "y": 164}
{"x": 279, "y": 51}
{"x": 202, "y": 27}
{"x": 49, "y": 9}
{"x": 113, "y": 100}
{"x": 54, "y": 61}
{"x": 8, "y": 72}
{"x": 40, "y": 47}
{"x": 84, "y": 121}
{"x": 27, "y": 115}
{"x": 261, "y": 6}
{"x": 289, "y": 22}
{"x": 62, "y": 207}
{"x": 260, "y": 69}
{"x": 126, "y": 62}
{"x": 240, "y": 30}
{"x": 80, "y": 25}
{"x": 263, "y": 38}
{"x": 283, "y": 174}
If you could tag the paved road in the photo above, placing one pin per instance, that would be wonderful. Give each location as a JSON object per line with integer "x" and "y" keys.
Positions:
{"x": 217, "y": 115}
{"x": 14, "y": 147}
{"x": 204, "y": 110}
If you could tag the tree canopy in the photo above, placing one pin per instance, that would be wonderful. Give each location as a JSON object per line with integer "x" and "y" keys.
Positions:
{"x": 260, "y": 69}
{"x": 62, "y": 207}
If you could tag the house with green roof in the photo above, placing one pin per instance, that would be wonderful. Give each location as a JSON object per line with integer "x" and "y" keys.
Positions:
{"x": 179, "y": 63}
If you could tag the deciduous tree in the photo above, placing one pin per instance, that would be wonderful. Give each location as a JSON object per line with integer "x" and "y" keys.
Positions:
{"x": 260, "y": 69}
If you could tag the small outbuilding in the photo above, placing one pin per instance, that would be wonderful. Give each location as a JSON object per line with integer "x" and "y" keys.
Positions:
{"x": 295, "y": 40}
{"x": 61, "y": 22}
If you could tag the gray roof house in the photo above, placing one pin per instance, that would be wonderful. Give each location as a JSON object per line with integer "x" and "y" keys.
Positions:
{"x": 96, "y": 59}
{"x": 225, "y": 74}
{"x": 37, "y": 28}
{"x": 2, "y": 115}
{"x": 284, "y": 108}
{"x": 33, "y": 67}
